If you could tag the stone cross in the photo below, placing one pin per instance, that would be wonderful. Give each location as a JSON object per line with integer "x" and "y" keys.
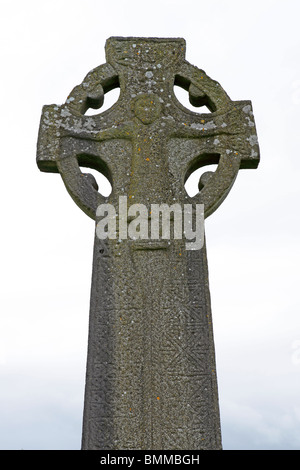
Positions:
{"x": 151, "y": 374}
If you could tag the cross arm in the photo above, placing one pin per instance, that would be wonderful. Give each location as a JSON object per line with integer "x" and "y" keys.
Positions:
{"x": 57, "y": 122}
{"x": 70, "y": 119}
{"x": 231, "y": 130}
{"x": 227, "y": 136}
{"x": 63, "y": 136}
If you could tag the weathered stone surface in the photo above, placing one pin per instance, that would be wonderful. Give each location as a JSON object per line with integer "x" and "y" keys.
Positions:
{"x": 151, "y": 374}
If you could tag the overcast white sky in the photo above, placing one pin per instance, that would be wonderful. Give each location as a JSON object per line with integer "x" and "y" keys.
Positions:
{"x": 252, "y": 49}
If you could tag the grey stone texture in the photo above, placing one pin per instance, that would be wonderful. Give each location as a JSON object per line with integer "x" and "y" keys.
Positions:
{"x": 151, "y": 373}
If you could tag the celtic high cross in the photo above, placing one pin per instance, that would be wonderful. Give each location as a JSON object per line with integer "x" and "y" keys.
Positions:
{"x": 151, "y": 374}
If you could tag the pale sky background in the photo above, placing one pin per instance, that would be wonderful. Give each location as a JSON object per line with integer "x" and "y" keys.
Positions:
{"x": 253, "y": 50}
